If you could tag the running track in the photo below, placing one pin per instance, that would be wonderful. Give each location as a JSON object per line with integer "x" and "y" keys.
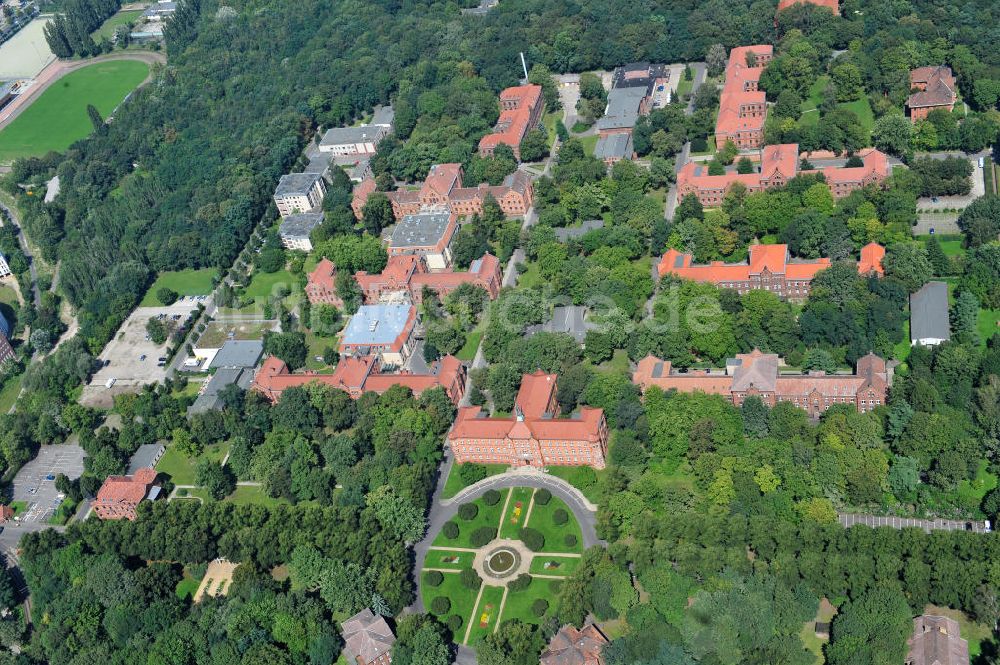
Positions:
{"x": 59, "y": 68}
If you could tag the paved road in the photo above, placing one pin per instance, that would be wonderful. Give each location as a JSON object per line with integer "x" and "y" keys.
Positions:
{"x": 851, "y": 519}
{"x": 59, "y": 68}
{"x": 700, "y": 70}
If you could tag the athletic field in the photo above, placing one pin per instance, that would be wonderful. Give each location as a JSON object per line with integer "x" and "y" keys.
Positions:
{"x": 26, "y": 53}
{"x": 59, "y": 117}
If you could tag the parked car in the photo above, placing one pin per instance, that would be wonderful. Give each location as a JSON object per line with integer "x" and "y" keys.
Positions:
{"x": 50, "y": 477}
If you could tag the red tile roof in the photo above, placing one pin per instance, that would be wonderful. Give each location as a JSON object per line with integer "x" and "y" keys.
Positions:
{"x": 575, "y": 647}
{"x": 325, "y": 274}
{"x": 357, "y": 376}
{"x": 774, "y": 258}
{"x": 124, "y": 492}
{"x": 442, "y": 178}
{"x": 536, "y": 394}
{"x": 513, "y": 122}
{"x": 936, "y": 84}
{"x": 740, "y": 89}
{"x": 871, "y": 259}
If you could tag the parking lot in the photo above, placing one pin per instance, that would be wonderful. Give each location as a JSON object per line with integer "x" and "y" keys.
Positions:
{"x": 131, "y": 359}
{"x": 32, "y": 484}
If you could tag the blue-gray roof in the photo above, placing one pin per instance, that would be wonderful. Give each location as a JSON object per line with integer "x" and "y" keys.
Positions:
{"x": 623, "y": 108}
{"x": 299, "y": 225}
{"x": 614, "y": 146}
{"x": 296, "y": 184}
{"x": 239, "y": 353}
{"x": 376, "y": 325}
{"x": 384, "y": 115}
{"x": 929, "y": 312}
{"x": 5, "y": 326}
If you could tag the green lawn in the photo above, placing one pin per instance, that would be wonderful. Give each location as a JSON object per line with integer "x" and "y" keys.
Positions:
{"x": 988, "y": 324}
{"x": 187, "y": 586}
{"x": 460, "y": 597}
{"x": 454, "y": 483}
{"x": 863, "y": 109}
{"x": 518, "y": 605}
{"x": 188, "y": 282}
{"x": 684, "y": 86}
{"x": 513, "y": 519}
{"x": 8, "y": 394}
{"x": 8, "y": 296}
{"x": 107, "y": 29}
{"x": 248, "y": 494}
{"x": 486, "y": 615}
{"x": 58, "y": 118}
{"x": 317, "y": 345}
{"x": 549, "y": 120}
{"x": 619, "y": 363}
{"x": 542, "y": 520}
{"x": 553, "y": 565}
{"x": 262, "y": 285}
{"x": 971, "y": 492}
{"x": 583, "y": 478}
{"x": 589, "y": 143}
{"x": 181, "y": 469}
{"x": 487, "y": 516}
{"x": 902, "y": 349}
{"x": 815, "y": 97}
{"x": 531, "y": 277}
{"x": 452, "y": 560}
{"x": 468, "y": 350}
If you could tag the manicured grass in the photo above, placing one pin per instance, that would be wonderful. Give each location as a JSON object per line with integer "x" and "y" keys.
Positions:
{"x": 659, "y": 195}
{"x": 987, "y": 325}
{"x": 317, "y": 345}
{"x": 815, "y": 97}
{"x": 107, "y": 29}
{"x": 181, "y": 469}
{"x": 555, "y": 534}
{"x": 619, "y": 363}
{"x": 549, "y": 120}
{"x": 65, "y": 511}
{"x": 863, "y": 109}
{"x": 454, "y": 483}
{"x": 262, "y": 285}
{"x": 468, "y": 350}
{"x": 531, "y": 277}
{"x": 8, "y": 296}
{"x": 589, "y": 143}
{"x": 566, "y": 565}
{"x": 486, "y": 615}
{"x": 487, "y": 516}
{"x": 583, "y": 478}
{"x": 518, "y": 605}
{"x": 187, "y": 586}
{"x": 902, "y": 349}
{"x": 8, "y": 394}
{"x": 248, "y": 494}
{"x": 58, "y": 118}
{"x": 517, "y": 510}
{"x": 437, "y": 559}
{"x": 460, "y": 597}
{"x": 684, "y": 86}
{"x": 188, "y": 282}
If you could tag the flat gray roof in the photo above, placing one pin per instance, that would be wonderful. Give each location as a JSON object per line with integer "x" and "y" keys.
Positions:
{"x": 300, "y": 225}
{"x": 318, "y": 163}
{"x": 296, "y": 184}
{"x": 929, "y": 312}
{"x": 424, "y": 230}
{"x": 244, "y": 353}
{"x": 145, "y": 457}
{"x": 623, "y": 108}
{"x": 384, "y": 116}
{"x": 344, "y": 135}
{"x": 614, "y": 146}
{"x": 225, "y": 376}
{"x": 376, "y": 325}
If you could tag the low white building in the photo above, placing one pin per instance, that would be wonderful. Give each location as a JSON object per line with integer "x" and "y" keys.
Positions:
{"x": 4, "y": 267}
{"x": 296, "y": 229}
{"x": 361, "y": 140}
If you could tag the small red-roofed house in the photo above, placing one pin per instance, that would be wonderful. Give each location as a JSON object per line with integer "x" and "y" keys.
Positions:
{"x": 119, "y": 496}
{"x": 933, "y": 88}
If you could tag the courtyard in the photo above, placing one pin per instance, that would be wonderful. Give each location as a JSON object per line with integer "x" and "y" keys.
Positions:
{"x": 521, "y": 542}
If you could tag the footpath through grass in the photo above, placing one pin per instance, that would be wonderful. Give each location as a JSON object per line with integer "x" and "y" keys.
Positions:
{"x": 58, "y": 118}
{"x": 488, "y": 516}
{"x": 455, "y": 483}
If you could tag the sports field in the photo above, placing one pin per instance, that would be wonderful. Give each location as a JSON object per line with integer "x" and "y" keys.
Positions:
{"x": 59, "y": 117}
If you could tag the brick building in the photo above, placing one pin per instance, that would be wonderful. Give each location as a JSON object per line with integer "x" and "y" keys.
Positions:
{"x": 443, "y": 191}
{"x": 382, "y": 330}
{"x": 409, "y": 274}
{"x": 933, "y": 88}
{"x": 757, "y": 373}
{"x": 521, "y": 109}
{"x": 321, "y": 284}
{"x": 779, "y": 164}
{"x": 534, "y": 435}
{"x": 368, "y": 639}
{"x": 356, "y": 376}
{"x": 426, "y": 234}
{"x": 120, "y": 495}
{"x": 6, "y": 330}
{"x": 742, "y": 107}
{"x": 769, "y": 268}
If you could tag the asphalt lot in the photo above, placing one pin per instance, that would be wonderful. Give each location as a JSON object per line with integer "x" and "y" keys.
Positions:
{"x": 40, "y": 494}
{"x": 126, "y": 349}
